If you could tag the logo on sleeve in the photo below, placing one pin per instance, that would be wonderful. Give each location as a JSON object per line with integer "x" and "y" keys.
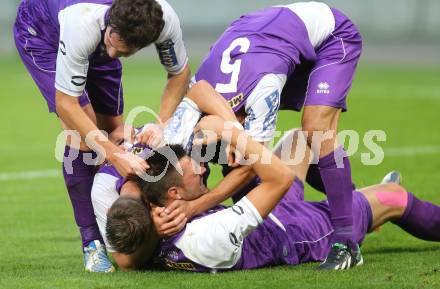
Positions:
{"x": 236, "y": 100}
{"x": 167, "y": 54}
{"x": 323, "y": 88}
{"x": 62, "y": 47}
{"x": 78, "y": 80}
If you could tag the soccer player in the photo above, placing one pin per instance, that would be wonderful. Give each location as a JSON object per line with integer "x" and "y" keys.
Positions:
{"x": 71, "y": 50}
{"x": 109, "y": 184}
{"x": 290, "y": 57}
{"x": 265, "y": 228}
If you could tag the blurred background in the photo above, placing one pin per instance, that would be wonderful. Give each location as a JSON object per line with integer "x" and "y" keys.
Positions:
{"x": 394, "y": 31}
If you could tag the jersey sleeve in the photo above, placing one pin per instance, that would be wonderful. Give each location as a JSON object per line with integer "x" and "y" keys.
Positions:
{"x": 80, "y": 34}
{"x": 103, "y": 196}
{"x": 170, "y": 46}
{"x": 180, "y": 128}
{"x": 215, "y": 241}
{"x": 262, "y": 108}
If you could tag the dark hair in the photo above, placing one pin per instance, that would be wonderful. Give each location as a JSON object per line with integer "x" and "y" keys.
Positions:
{"x": 138, "y": 22}
{"x": 128, "y": 225}
{"x": 161, "y": 161}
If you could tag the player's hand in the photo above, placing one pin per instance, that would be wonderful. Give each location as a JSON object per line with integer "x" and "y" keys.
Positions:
{"x": 168, "y": 222}
{"x": 127, "y": 163}
{"x": 152, "y": 135}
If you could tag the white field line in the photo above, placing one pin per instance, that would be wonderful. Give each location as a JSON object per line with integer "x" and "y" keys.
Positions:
{"x": 30, "y": 175}
{"x": 405, "y": 152}
{"x": 412, "y": 151}
{"x": 55, "y": 173}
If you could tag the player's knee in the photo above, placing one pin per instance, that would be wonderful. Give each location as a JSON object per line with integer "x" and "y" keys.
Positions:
{"x": 316, "y": 131}
{"x": 393, "y": 187}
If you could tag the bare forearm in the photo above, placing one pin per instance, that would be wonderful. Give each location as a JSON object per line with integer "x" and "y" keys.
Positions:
{"x": 210, "y": 101}
{"x": 275, "y": 177}
{"x": 175, "y": 89}
{"x": 226, "y": 188}
{"x": 75, "y": 118}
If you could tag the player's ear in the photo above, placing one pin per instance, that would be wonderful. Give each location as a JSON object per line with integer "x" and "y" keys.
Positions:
{"x": 173, "y": 194}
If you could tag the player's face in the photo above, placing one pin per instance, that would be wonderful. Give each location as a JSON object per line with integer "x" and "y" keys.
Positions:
{"x": 115, "y": 46}
{"x": 192, "y": 181}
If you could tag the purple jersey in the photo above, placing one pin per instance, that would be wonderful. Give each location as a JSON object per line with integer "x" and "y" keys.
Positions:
{"x": 270, "y": 41}
{"x": 283, "y": 57}
{"x": 51, "y": 8}
{"x": 62, "y": 45}
{"x": 295, "y": 232}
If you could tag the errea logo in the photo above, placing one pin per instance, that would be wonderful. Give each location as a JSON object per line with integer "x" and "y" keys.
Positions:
{"x": 323, "y": 88}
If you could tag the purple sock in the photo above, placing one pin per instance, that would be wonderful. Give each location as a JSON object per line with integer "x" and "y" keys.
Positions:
{"x": 78, "y": 178}
{"x": 339, "y": 189}
{"x": 421, "y": 219}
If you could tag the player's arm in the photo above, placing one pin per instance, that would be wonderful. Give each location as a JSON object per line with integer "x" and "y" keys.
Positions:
{"x": 170, "y": 220}
{"x": 260, "y": 125}
{"x": 173, "y": 56}
{"x": 210, "y": 102}
{"x": 70, "y": 81}
{"x": 215, "y": 240}
{"x": 225, "y": 189}
{"x": 175, "y": 89}
{"x": 275, "y": 176}
{"x": 200, "y": 99}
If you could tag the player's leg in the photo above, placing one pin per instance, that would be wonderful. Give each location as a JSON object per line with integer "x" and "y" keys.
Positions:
{"x": 293, "y": 150}
{"x": 39, "y": 58}
{"x": 106, "y": 94}
{"x": 392, "y": 202}
{"x": 79, "y": 169}
{"x": 334, "y": 169}
{"x": 329, "y": 83}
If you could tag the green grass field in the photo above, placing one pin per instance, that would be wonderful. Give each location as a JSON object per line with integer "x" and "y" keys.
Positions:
{"x": 40, "y": 244}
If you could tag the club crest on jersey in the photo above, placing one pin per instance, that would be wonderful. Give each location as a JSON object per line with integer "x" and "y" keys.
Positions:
{"x": 236, "y": 100}
{"x": 323, "y": 88}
